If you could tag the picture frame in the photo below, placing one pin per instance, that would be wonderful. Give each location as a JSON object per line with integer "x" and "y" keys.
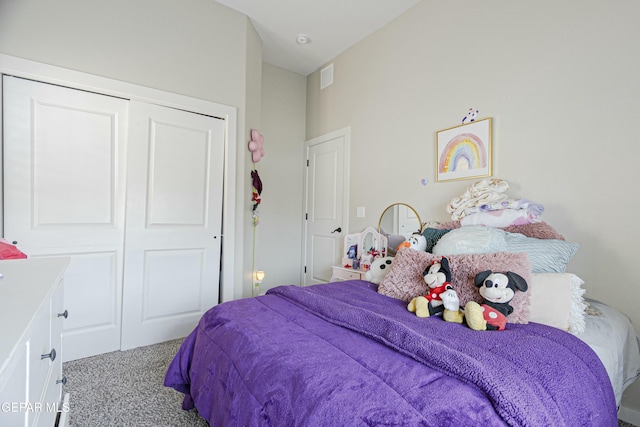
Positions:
{"x": 464, "y": 151}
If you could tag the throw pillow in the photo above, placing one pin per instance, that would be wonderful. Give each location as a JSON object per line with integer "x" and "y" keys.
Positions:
{"x": 404, "y": 280}
{"x": 557, "y": 299}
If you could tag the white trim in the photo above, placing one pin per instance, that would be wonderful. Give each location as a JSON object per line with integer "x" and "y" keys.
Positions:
{"x": 24, "y": 68}
{"x": 346, "y": 134}
{"x": 629, "y": 415}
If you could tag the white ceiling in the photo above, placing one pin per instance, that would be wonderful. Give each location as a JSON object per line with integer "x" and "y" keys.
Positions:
{"x": 332, "y": 26}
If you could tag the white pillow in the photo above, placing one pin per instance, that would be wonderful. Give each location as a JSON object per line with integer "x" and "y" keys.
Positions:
{"x": 557, "y": 299}
{"x": 473, "y": 239}
{"x": 545, "y": 255}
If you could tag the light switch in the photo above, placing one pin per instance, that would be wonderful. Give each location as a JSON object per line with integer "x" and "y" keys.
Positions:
{"x": 360, "y": 212}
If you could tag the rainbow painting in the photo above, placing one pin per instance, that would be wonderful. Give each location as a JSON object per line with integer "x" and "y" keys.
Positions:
{"x": 464, "y": 151}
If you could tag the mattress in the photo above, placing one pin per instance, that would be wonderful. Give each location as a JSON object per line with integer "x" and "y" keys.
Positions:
{"x": 612, "y": 337}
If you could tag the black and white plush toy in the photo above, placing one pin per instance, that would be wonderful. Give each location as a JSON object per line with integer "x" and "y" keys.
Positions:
{"x": 379, "y": 268}
{"x": 497, "y": 289}
{"x": 437, "y": 277}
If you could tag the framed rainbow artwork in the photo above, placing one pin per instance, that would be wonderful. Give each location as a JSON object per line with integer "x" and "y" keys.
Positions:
{"x": 464, "y": 151}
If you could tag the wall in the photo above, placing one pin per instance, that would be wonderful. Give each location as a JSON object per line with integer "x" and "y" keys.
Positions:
{"x": 560, "y": 80}
{"x": 196, "y": 48}
{"x": 165, "y": 44}
{"x": 279, "y": 232}
{"x": 243, "y": 192}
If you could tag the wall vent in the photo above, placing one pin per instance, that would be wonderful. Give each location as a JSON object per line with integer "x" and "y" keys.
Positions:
{"x": 326, "y": 76}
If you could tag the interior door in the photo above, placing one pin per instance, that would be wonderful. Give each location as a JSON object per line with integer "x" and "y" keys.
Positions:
{"x": 326, "y": 195}
{"x": 174, "y": 222}
{"x": 64, "y": 194}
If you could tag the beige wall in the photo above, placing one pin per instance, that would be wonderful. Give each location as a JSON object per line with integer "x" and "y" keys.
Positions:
{"x": 244, "y": 164}
{"x": 279, "y": 232}
{"x": 561, "y": 81}
{"x": 165, "y": 44}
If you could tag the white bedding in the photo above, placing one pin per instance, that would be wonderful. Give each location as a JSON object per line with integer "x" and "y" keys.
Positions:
{"x": 612, "y": 336}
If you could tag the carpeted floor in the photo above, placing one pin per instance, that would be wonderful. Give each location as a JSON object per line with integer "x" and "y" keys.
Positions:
{"x": 125, "y": 389}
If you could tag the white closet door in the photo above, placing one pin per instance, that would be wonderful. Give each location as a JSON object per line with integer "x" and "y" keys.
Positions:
{"x": 174, "y": 221}
{"x": 64, "y": 189}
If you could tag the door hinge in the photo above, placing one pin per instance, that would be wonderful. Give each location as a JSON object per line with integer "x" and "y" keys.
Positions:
{"x": 307, "y": 162}
{"x": 305, "y": 269}
{"x": 306, "y": 216}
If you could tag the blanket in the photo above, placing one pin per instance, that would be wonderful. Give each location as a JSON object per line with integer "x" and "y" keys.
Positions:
{"x": 342, "y": 354}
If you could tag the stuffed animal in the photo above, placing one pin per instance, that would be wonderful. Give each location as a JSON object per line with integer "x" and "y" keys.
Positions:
{"x": 437, "y": 276}
{"x": 497, "y": 289}
{"x": 451, "y": 303}
{"x": 470, "y": 117}
{"x": 417, "y": 241}
{"x": 379, "y": 269}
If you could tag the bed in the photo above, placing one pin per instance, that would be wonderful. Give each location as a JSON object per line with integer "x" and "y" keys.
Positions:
{"x": 350, "y": 353}
{"x": 344, "y": 354}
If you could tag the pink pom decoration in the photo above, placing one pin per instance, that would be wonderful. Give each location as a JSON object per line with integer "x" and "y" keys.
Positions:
{"x": 256, "y": 145}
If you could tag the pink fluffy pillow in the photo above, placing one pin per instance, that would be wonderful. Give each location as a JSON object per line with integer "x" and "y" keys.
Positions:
{"x": 404, "y": 280}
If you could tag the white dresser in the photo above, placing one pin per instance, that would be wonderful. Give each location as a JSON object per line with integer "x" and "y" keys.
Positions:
{"x": 31, "y": 315}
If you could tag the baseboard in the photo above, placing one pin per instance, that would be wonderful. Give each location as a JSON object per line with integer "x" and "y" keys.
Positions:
{"x": 629, "y": 415}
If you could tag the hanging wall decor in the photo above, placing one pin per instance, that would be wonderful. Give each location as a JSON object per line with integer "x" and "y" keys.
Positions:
{"x": 464, "y": 151}
{"x": 256, "y": 145}
{"x": 256, "y": 183}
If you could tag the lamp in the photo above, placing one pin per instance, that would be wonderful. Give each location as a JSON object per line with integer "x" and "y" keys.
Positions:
{"x": 259, "y": 277}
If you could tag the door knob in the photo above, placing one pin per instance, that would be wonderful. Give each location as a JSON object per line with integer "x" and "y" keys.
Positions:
{"x": 337, "y": 230}
{"x": 51, "y": 355}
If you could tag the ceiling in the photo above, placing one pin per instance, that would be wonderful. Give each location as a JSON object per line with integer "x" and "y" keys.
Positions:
{"x": 331, "y": 26}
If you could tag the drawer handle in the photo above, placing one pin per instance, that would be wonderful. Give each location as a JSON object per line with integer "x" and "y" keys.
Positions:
{"x": 51, "y": 355}
{"x": 62, "y": 381}
{"x": 64, "y": 314}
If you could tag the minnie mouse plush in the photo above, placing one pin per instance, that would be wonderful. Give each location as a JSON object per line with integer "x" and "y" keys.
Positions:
{"x": 438, "y": 278}
{"x": 497, "y": 289}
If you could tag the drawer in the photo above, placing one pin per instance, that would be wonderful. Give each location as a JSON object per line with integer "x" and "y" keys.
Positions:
{"x": 39, "y": 344}
{"x": 345, "y": 274}
{"x": 13, "y": 389}
{"x": 53, "y": 391}
{"x": 58, "y": 317}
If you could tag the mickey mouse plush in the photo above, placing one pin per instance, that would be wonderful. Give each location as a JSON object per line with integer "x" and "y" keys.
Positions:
{"x": 497, "y": 289}
{"x": 438, "y": 278}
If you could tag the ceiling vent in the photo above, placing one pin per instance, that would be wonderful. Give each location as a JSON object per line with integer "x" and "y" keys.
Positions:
{"x": 326, "y": 76}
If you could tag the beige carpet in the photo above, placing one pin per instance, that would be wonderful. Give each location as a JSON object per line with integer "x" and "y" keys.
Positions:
{"x": 125, "y": 389}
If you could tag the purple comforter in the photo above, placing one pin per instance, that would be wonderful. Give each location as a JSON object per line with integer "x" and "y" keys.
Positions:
{"x": 341, "y": 354}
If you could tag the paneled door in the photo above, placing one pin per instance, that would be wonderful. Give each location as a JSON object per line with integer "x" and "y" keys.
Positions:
{"x": 174, "y": 222}
{"x": 64, "y": 195}
{"x": 326, "y": 202}
{"x": 132, "y": 192}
